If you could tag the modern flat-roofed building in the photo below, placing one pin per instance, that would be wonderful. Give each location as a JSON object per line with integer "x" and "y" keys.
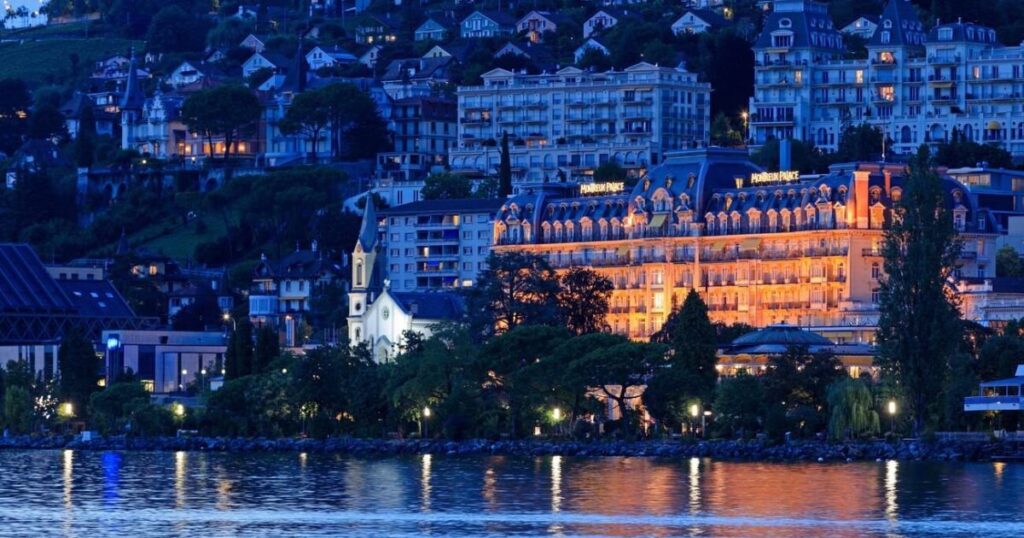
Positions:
{"x": 164, "y": 361}
{"x": 437, "y": 244}
{"x": 568, "y": 123}
{"x": 917, "y": 86}
{"x": 762, "y": 248}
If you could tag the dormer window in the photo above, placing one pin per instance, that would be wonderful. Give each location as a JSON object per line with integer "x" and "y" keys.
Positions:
{"x": 945, "y": 34}
{"x": 887, "y": 23}
{"x": 886, "y": 37}
{"x": 785, "y": 23}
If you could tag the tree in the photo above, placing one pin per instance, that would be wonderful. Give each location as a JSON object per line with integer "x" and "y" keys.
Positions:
{"x": 859, "y": 143}
{"x": 111, "y": 409}
{"x": 79, "y": 371}
{"x": 15, "y": 101}
{"x": 505, "y": 169}
{"x": 999, "y": 357}
{"x": 919, "y": 326}
{"x": 692, "y": 338}
{"x": 174, "y": 30}
{"x": 85, "y": 141}
{"x": 267, "y": 349}
{"x": 608, "y": 172}
{"x": 797, "y": 382}
{"x": 230, "y": 111}
{"x": 517, "y": 288}
{"x": 568, "y": 385}
{"x": 1008, "y": 262}
{"x": 355, "y": 123}
{"x": 852, "y": 410}
{"x": 446, "y": 186}
{"x": 308, "y": 116}
{"x": 619, "y": 372}
{"x": 739, "y": 404}
{"x": 583, "y": 300}
{"x": 18, "y": 416}
{"x": 238, "y": 360}
{"x": 961, "y": 151}
{"x": 202, "y": 313}
{"x": 723, "y": 133}
{"x": 46, "y": 122}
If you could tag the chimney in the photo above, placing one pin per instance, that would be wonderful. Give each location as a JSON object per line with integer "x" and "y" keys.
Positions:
{"x": 887, "y": 174}
{"x": 785, "y": 154}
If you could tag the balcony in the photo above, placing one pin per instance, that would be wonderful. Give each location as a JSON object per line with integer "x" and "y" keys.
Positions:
{"x": 944, "y": 59}
{"x": 993, "y": 403}
{"x": 871, "y": 252}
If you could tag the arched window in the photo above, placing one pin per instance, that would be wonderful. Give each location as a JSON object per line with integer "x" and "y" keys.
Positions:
{"x": 359, "y": 273}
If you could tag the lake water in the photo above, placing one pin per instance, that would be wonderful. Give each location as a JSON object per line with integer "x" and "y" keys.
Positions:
{"x": 46, "y": 493}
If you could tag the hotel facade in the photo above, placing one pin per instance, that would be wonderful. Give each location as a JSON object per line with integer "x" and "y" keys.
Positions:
{"x": 568, "y": 123}
{"x": 915, "y": 85}
{"x": 761, "y": 248}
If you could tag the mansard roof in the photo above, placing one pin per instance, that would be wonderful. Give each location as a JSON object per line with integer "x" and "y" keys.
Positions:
{"x": 899, "y": 19}
{"x": 809, "y": 24}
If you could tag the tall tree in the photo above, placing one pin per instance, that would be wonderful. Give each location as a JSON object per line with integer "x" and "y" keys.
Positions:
{"x": 15, "y": 101}
{"x": 267, "y": 349}
{"x": 446, "y": 186}
{"x": 308, "y": 116}
{"x": 619, "y": 372}
{"x": 517, "y": 288}
{"x": 230, "y": 111}
{"x": 79, "y": 370}
{"x": 692, "y": 339}
{"x": 852, "y": 410}
{"x": 919, "y": 326}
{"x": 583, "y": 300}
{"x": 505, "y": 169}
{"x": 355, "y": 124}
{"x": 238, "y": 360}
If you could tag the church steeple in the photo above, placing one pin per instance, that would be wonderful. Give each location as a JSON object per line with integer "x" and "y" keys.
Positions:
{"x": 132, "y": 98}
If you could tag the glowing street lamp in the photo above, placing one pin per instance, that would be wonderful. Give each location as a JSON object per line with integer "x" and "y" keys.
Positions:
{"x": 66, "y": 410}
{"x": 556, "y": 414}
{"x": 423, "y": 422}
{"x": 178, "y": 409}
{"x": 892, "y": 415}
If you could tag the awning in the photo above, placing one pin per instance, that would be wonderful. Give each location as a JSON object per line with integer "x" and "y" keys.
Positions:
{"x": 658, "y": 221}
{"x": 622, "y": 251}
{"x": 753, "y": 243}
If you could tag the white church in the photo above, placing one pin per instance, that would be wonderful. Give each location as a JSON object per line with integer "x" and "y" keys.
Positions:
{"x": 376, "y": 314}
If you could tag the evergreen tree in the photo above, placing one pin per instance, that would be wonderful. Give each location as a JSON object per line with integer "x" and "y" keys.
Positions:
{"x": 583, "y": 300}
{"x": 267, "y": 349}
{"x": 919, "y": 325}
{"x": 79, "y": 370}
{"x": 505, "y": 169}
{"x": 239, "y": 356}
{"x": 692, "y": 338}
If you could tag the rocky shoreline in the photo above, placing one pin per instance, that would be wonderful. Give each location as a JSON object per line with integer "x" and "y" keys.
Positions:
{"x": 721, "y": 450}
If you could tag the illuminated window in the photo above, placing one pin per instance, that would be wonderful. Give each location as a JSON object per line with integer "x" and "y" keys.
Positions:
{"x": 858, "y": 76}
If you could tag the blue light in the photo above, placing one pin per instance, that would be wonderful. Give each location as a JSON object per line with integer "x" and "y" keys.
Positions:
{"x": 112, "y": 343}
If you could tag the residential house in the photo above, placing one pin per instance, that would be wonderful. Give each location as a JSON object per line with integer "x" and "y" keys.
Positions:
{"x": 369, "y": 58}
{"x": 372, "y": 29}
{"x": 104, "y": 116}
{"x": 536, "y": 23}
{"x": 697, "y": 21}
{"x": 424, "y": 129}
{"x": 410, "y": 77}
{"x": 165, "y": 361}
{"x": 863, "y": 27}
{"x": 460, "y": 50}
{"x": 184, "y": 75}
{"x": 283, "y": 292}
{"x": 601, "y": 21}
{"x": 538, "y": 55}
{"x": 487, "y": 24}
{"x": 321, "y": 57}
{"x": 587, "y": 46}
{"x": 434, "y": 29}
{"x": 264, "y": 60}
{"x": 34, "y": 156}
{"x": 252, "y": 43}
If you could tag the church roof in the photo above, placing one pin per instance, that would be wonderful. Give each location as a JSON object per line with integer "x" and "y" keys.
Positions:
{"x": 368, "y": 228}
{"x": 431, "y": 305}
{"x": 133, "y": 97}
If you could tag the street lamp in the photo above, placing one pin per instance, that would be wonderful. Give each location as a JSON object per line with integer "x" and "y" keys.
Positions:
{"x": 423, "y": 422}
{"x": 178, "y": 409}
{"x": 745, "y": 116}
{"x": 227, "y": 318}
{"x": 703, "y": 422}
{"x": 694, "y": 413}
{"x": 556, "y": 414}
{"x": 892, "y": 415}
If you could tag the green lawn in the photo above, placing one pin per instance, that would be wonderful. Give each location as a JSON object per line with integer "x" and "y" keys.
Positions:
{"x": 44, "y": 62}
{"x": 47, "y": 31}
{"x": 181, "y": 242}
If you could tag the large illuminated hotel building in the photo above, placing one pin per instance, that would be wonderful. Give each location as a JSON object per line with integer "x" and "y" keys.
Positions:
{"x": 761, "y": 248}
{"x": 915, "y": 85}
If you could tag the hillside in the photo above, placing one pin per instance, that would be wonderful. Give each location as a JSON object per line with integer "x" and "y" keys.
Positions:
{"x": 50, "y": 60}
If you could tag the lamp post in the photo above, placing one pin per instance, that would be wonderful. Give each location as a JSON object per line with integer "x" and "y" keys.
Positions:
{"x": 892, "y": 415}
{"x": 423, "y": 422}
{"x": 703, "y": 422}
{"x": 745, "y": 117}
{"x": 556, "y": 417}
{"x": 234, "y": 324}
{"x": 694, "y": 413}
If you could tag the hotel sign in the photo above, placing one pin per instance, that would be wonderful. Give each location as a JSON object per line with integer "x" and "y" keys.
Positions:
{"x": 602, "y": 188}
{"x": 772, "y": 178}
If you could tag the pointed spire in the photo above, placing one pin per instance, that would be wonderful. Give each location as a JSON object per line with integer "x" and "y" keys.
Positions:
{"x": 122, "y": 244}
{"x": 368, "y": 229}
{"x": 133, "y": 98}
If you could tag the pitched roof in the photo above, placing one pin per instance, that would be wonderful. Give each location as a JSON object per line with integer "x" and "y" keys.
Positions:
{"x": 25, "y": 286}
{"x": 431, "y": 305}
{"x": 499, "y": 17}
{"x": 96, "y": 298}
{"x": 708, "y": 16}
{"x": 368, "y": 228}
{"x": 811, "y": 27}
{"x": 133, "y": 97}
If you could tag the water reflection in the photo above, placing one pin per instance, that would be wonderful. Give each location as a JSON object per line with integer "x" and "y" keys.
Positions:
{"x": 425, "y": 482}
{"x": 190, "y": 494}
{"x": 892, "y": 468}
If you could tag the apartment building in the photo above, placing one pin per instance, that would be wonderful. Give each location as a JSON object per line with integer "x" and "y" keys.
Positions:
{"x": 762, "y": 248}
{"x": 916, "y": 85}
{"x": 437, "y": 244}
{"x": 566, "y": 124}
